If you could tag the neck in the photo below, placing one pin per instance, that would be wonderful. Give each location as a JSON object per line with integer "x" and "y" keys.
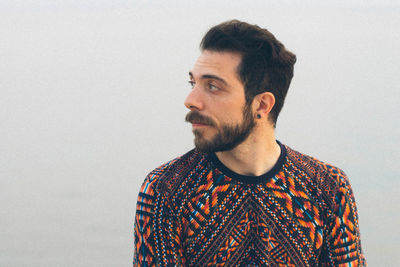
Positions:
{"x": 255, "y": 156}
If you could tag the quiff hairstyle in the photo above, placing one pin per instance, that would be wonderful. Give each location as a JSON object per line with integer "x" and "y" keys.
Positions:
{"x": 266, "y": 65}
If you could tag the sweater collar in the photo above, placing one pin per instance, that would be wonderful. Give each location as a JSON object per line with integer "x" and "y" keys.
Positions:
{"x": 247, "y": 178}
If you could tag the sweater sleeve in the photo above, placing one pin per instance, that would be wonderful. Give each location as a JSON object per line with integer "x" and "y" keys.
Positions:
{"x": 342, "y": 245}
{"x": 157, "y": 231}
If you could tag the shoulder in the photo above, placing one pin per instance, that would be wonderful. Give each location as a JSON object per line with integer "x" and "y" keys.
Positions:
{"x": 163, "y": 179}
{"x": 328, "y": 178}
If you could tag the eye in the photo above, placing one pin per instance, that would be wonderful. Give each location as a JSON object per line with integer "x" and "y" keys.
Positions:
{"x": 212, "y": 87}
{"x": 192, "y": 83}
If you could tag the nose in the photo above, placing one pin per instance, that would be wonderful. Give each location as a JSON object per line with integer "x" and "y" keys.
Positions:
{"x": 194, "y": 100}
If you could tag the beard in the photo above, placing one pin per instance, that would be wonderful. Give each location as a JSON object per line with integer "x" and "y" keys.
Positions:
{"x": 228, "y": 136}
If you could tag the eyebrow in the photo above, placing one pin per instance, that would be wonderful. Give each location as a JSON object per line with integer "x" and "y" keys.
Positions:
{"x": 210, "y": 76}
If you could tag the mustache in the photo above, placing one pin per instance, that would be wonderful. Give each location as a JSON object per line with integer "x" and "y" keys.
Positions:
{"x": 196, "y": 117}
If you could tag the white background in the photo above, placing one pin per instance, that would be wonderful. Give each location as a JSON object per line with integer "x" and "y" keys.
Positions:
{"x": 91, "y": 100}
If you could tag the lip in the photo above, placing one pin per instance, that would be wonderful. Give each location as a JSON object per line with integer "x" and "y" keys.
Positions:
{"x": 196, "y": 124}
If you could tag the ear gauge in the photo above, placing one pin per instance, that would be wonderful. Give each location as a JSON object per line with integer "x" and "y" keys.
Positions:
{"x": 258, "y": 116}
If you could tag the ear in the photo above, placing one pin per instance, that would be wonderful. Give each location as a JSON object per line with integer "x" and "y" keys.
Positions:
{"x": 264, "y": 103}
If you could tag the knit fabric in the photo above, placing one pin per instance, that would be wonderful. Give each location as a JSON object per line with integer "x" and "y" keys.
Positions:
{"x": 193, "y": 211}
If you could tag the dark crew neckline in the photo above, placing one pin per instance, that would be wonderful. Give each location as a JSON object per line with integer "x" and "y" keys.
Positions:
{"x": 248, "y": 179}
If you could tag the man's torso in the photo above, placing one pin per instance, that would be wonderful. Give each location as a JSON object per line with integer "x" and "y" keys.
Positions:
{"x": 195, "y": 211}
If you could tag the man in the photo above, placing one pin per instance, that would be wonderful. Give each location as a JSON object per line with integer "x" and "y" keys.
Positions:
{"x": 241, "y": 198}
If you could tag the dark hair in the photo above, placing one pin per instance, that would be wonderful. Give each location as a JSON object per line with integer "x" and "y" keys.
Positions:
{"x": 266, "y": 65}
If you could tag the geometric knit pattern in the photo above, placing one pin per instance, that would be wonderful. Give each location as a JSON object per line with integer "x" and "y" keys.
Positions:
{"x": 193, "y": 211}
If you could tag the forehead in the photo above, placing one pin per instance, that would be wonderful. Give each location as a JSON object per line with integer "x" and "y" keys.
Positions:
{"x": 221, "y": 64}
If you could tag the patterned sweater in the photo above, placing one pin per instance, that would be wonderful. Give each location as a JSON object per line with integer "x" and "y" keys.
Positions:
{"x": 194, "y": 211}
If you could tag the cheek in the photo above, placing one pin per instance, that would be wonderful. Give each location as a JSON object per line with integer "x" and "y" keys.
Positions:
{"x": 231, "y": 116}
{"x": 226, "y": 109}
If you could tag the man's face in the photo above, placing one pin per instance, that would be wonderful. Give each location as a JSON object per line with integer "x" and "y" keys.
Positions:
{"x": 220, "y": 117}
